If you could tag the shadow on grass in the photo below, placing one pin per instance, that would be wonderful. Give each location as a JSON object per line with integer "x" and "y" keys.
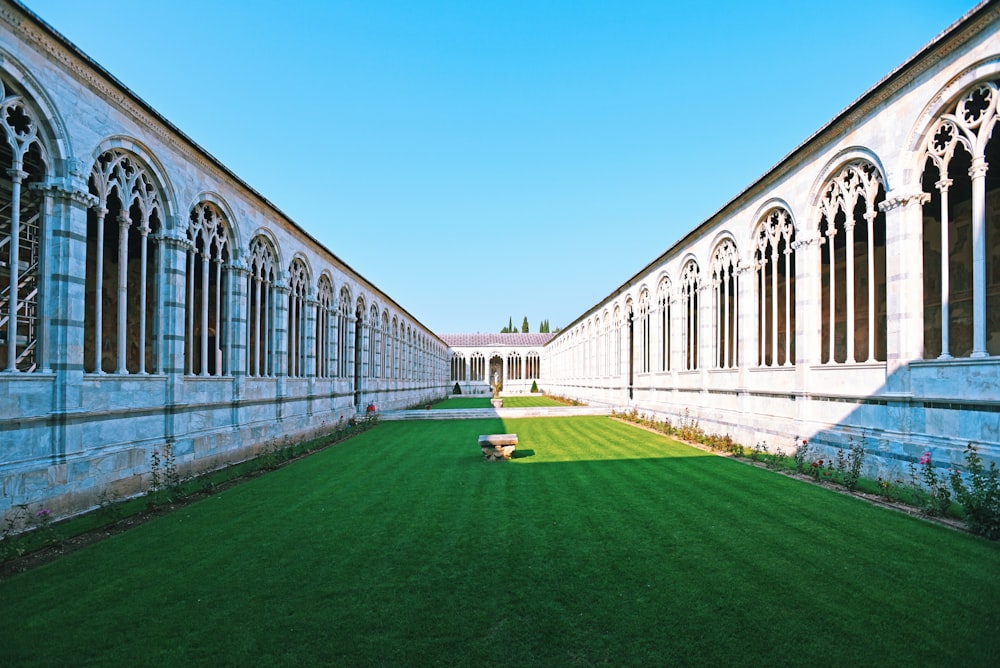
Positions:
{"x": 632, "y": 552}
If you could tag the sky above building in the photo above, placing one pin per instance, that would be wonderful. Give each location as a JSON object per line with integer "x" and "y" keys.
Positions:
{"x": 479, "y": 161}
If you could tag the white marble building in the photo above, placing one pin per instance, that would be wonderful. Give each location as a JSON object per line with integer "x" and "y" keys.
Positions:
{"x": 150, "y": 297}
{"x": 818, "y": 302}
{"x": 160, "y": 300}
{"x": 480, "y": 360}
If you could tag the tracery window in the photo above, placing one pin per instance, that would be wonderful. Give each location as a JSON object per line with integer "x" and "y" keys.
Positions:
{"x": 690, "y": 303}
{"x": 477, "y": 366}
{"x": 774, "y": 280}
{"x": 853, "y": 272}
{"x": 532, "y": 366}
{"x": 325, "y": 343}
{"x": 208, "y": 293}
{"x": 961, "y": 228}
{"x": 298, "y": 282}
{"x": 514, "y": 366}
{"x": 374, "y": 343}
{"x": 123, "y": 231}
{"x": 362, "y": 341}
{"x": 22, "y": 163}
{"x": 725, "y": 287}
{"x": 458, "y": 367}
{"x": 618, "y": 341}
{"x": 385, "y": 349}
{"x": 261, "y": 307}
{"x": 598, "y": 347}
{"x": 410, "y": 353}
{"x": 395, "y": 347}
{"x": 345, "y": 334}
{"x": 663, "y": 296}
{"x": 607, "y": 344}
{"x": 645, "y": 327}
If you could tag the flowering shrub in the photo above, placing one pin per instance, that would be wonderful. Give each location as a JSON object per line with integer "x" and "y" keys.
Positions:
{"x": 938, "y": 497}
{"x": 821, "y": 468}
{"x": 801, "y": 454}
{"x": 855, "y": 462}
{"x": 980, "y": 499}
{"x": 43, "y": 524}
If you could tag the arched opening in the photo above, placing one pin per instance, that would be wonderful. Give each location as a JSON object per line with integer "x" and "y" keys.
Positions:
{"x": 208, "y": 298}
{"x": 123, "y": 232}
{"x": 496, "y": 371}
{"x": 21, "y": 164}
{"x": 853, "y": 265}
{"x": 961, "y": 229}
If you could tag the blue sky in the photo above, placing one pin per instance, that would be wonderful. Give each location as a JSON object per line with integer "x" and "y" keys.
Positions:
{"x": 493, "y": 159}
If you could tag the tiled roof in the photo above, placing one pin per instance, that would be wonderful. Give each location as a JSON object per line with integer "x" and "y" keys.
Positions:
{"x": 484, "y": 340}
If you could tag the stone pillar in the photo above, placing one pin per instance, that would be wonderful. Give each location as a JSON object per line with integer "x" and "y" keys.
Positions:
{"x": 172, "y": 305}
{"x": 237, "y": 336}
{"x": 63, "y": 298}
{"x": 809, "y": 303}
{"x": 279, "y": 329}
{"x": 904, "y": 283}
{"x": 746, "y": 343}
{"x": 978, "y": 175}
{"x": 121, "y": 338}
{"x": 309, "y": 336}
{"x": 17, "y": 175}
{"x": 850, "y": 327}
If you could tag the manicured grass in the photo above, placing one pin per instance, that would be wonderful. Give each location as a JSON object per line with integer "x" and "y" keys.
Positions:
{"x": 525, "y": 401}
{"x": 600, "y": 543}
{"x": 463, "y": 402}
{"x": 530, "y": 401}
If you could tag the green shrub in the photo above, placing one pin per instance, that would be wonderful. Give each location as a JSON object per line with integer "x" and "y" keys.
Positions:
{"x": 981, "y": 498}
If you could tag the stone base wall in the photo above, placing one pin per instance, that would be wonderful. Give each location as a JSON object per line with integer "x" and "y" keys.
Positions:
{"x": 68, "y": 461}
{"x": 783, "y": 406}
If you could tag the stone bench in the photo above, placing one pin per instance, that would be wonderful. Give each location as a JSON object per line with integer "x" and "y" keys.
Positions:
{"x": 497, "y": 446}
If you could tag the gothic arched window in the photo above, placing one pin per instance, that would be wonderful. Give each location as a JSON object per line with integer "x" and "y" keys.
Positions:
{"x": 298, "y": 285}
{"x": 725, "y": 287}
{"x": 345, "y": 334}
{"x": 961, "y": 235}
{"x": 208, "y": 293}
{"x": 853, "y": 299}
{"x": 22, "y": 163}
{"x": 260, "y": 308}
{"x": 122, "y": 333}
{"x": 325, "y": 342}
{"x": 663, "y": 297}
{"x": 774, "y": 280}
{"x": 690, "y": 303}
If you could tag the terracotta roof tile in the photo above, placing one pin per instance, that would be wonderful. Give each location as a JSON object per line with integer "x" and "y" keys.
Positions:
{"x": 482, "y": 340}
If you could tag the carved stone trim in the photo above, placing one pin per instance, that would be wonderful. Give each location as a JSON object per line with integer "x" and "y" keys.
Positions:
{"x": 902, "y": 200}
{"x": 64, "y": 188}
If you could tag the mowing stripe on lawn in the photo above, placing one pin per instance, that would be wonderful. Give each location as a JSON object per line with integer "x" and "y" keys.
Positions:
{"x": 601, "y": 543}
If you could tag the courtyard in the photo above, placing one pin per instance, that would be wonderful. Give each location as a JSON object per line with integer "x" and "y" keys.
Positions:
{"x": 598, "y": 543}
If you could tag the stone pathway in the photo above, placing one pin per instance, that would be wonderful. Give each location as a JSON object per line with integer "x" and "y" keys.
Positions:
{"x": 482, "y": 413}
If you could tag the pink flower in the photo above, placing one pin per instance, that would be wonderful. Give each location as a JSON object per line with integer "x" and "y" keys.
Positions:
{"x": 44, "y": 512}
{"x": 925, "y": 458}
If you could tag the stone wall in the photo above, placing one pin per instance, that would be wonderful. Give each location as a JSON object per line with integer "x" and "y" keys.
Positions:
{"x": 885, "y": 384}
{"x": 103, "y": 372}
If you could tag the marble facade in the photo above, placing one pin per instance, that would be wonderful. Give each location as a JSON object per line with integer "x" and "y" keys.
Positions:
{"x": 818, "y": 303}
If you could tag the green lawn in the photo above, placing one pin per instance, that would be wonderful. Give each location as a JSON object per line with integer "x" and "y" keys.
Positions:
{"x": 600, "y": 543}
{"x": 525, "y": 401}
